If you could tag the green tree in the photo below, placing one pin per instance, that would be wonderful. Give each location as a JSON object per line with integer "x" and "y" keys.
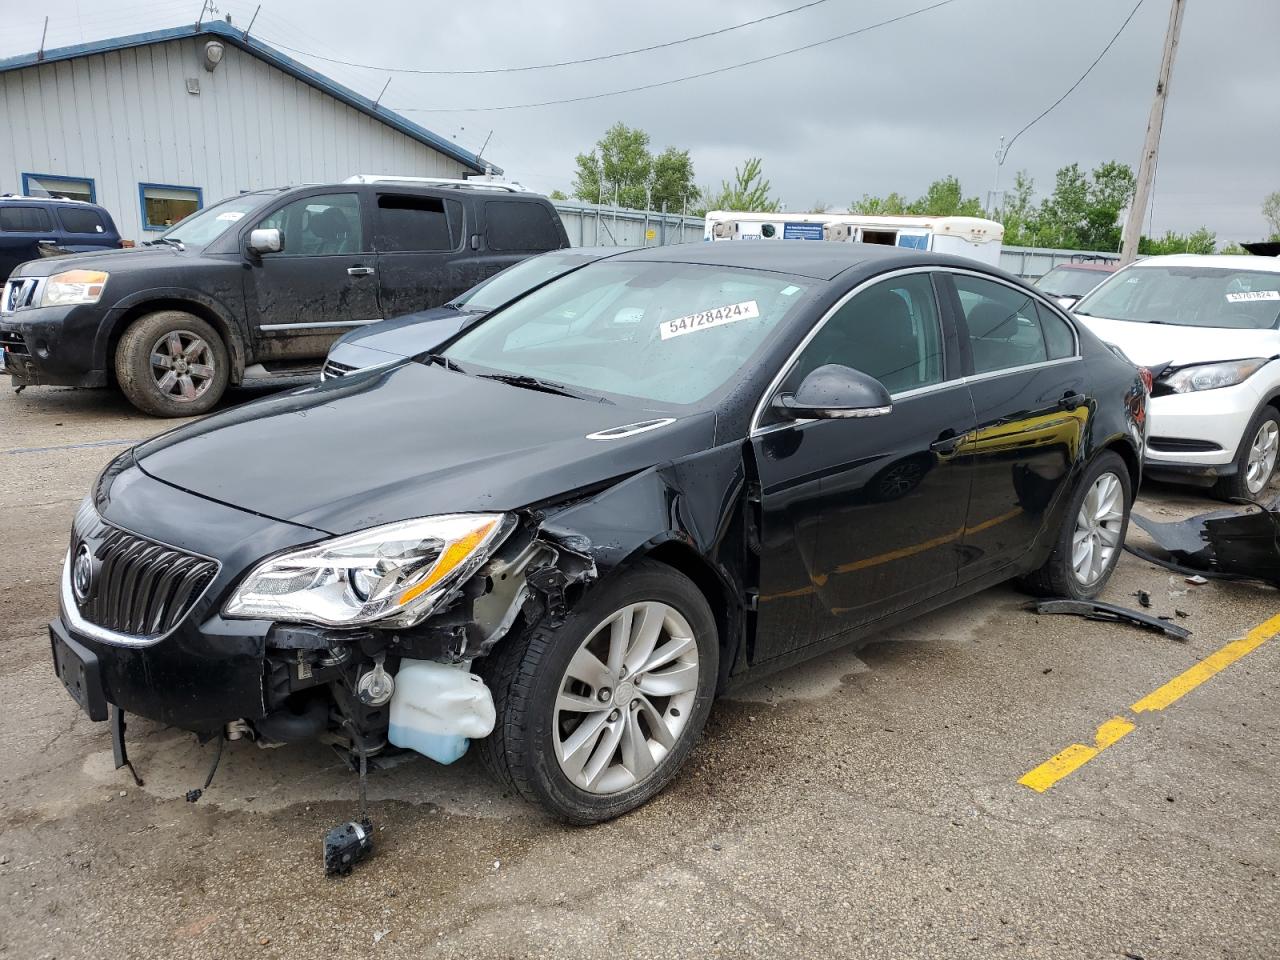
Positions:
{"x": 1233, "y": 249}
{"x": 748, "y": 191}
{"x": 557, "y": 195}
{"x": 1083, "y": 212}
{"x": 1271, "y": 213}
{"x": 1202, "y": 240}
{"x": 1018, "y": 214}
{"x": 621, "y": 169}
{"x": 944, "y": 198}
{"x": 895, "y": 204}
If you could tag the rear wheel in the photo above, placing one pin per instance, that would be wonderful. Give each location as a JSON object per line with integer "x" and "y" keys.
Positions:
{"x": 597, "y": 715}
{"x": 1092, "y": 534}
{"x": 1255, "y": 460}
{"x": 172, "y": 364}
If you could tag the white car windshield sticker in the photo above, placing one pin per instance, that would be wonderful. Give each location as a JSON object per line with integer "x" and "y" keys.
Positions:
{"x": 717, "y": 317}
{"x": 231, "y": 216}
{"x": 788, "y": 291}
{"x": 1253, "y": 295}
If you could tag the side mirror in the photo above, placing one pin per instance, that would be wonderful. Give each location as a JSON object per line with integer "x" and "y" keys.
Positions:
{"x": 267, "y": 240}
{"x": 833, "y": 392}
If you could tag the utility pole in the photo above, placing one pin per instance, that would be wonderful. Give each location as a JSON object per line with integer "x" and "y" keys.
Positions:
{"x": 1151, "y": 147}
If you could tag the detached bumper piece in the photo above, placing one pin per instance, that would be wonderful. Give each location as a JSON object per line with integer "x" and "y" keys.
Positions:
{"x": 1223, "y": 544}
{"x": 1109, "y": 612}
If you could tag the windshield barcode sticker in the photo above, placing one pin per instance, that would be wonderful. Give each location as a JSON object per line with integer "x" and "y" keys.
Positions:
{"x": 718, "y": 317}
{"x": 1253, "y": 295}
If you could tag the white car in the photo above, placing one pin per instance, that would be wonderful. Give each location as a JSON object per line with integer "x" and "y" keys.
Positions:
{"x": 1208, "y": 328}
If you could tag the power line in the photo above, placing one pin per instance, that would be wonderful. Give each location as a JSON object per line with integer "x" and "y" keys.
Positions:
{"x": 692, "y": 76}
{"x": 1071, "y": 89}
{"x": 562, "y": 63}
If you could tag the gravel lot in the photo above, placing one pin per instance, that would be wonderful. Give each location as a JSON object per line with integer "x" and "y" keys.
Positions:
{"x": 864, "y": 806}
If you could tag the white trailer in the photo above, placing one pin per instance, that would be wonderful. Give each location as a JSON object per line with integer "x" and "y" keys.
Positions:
{"x": 970, "y": 237}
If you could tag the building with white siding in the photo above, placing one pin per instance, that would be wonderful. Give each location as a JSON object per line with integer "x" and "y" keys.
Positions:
{"x": 156, "y": 125}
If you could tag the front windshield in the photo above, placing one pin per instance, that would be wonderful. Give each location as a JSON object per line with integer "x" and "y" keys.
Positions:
{"x": 520, "y": 279}
{"x": 1188, "y": 296}
{"x": 205, "y": 226}
{"x": 1065, "y": 282}
{"x": 665, "y": 332}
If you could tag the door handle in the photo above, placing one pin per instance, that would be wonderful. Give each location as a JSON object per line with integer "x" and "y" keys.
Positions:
{"x": 947, "y": 442}
{"x": 359, "y": 271}
{"x": 1071, "y": 400}
{"x": 47, "y": 243}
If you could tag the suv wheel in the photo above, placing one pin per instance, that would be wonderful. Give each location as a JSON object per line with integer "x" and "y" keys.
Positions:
{"x": 172, "y": 364}
{"x": 1091, "y": 538}
{"x": 1255, "y": 460}
{"x": 597, "y": 714}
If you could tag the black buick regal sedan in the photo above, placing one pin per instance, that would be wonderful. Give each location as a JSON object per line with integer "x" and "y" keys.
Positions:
{"x": 568, "y": 529}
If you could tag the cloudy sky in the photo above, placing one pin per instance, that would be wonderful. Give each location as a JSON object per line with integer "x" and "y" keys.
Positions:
{"x": 891, "y": 109}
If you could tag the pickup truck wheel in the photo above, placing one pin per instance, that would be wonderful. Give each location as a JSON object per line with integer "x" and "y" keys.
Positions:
{"x": 172, "y": 364}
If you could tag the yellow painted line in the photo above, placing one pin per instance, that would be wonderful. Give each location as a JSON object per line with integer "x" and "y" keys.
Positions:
{"x": 1190, "y": 679}
{"x": 1078, "y": 754}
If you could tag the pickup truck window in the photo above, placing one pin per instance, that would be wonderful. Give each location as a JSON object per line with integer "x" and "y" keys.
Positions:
{"x": 520, "y": 225}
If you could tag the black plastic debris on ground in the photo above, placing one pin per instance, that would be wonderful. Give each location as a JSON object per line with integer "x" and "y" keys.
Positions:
{"x": 346, "y": 845}
{"x": 1109, "y": 612}
{"x": 1231, "y": 544}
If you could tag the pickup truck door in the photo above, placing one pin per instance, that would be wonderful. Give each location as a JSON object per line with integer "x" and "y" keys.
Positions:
{"x": 422, "y": 260}
{"x": 320, "y": 285}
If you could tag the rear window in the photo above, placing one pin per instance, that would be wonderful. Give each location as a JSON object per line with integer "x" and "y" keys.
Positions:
{"x": 81, "y": 220}
{"x": 24, "y": 219}
{"x": 407, "y": 223}
{"x": 516, "y": 225}
{"x": 1066, "y": 282}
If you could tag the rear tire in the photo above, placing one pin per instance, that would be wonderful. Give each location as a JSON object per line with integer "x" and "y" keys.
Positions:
{"x": 1257, "y": 453}
{"x": 172, "y": 364}
{"x": 534, "y": 675}
{"x": 1087, "y": 547}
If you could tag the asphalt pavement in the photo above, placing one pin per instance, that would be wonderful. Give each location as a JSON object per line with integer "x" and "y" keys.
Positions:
{"x": 865, "y": 805}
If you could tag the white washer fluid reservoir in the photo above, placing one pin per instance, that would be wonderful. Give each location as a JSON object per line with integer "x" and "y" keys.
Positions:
{"x": 439, "y": 708}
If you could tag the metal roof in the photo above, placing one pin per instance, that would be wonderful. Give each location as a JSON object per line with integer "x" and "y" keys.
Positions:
{"x": 239, "y": 38}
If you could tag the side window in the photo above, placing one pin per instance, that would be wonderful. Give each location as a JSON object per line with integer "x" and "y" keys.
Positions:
{"x": 81, "y": 220}
{"x": 1058, "y": 337}
{"x": 412, "y": 223}
{"x": 889, "y": 331}
{"x": 1004, "y": 326}
{"x": 24, "y": 219}
{"x": 519, "y": 225}
{"x": 318, "y": 226}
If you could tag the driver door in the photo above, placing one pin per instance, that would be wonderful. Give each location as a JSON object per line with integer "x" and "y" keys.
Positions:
{"x": 864, "y": 516}
{"x": 319, "y": 285}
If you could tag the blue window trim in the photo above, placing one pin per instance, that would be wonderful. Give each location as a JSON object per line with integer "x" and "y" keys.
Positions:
{"x": 28, "y": 177}
{"x": 142, "y": 200}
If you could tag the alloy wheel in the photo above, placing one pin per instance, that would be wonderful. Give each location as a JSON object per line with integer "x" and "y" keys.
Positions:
{"x": 626, "y": 698}
{"x": 1098, "y": 529}
{"x": 1262, "y": 456}
{"x": 182, "y": 364}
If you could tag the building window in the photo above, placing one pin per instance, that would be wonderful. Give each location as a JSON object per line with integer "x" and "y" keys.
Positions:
{"x": 50, "y": 185}
{"x": 163, "y": 204}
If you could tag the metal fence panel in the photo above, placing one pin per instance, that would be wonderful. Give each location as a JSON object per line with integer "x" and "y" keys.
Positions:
{"x": 1031, "y": 263}
{"x": 590, "y": 225}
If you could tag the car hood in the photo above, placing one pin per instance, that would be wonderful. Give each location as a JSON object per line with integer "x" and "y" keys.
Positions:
{"x": 411, "y": 334}
{"x": 1150, "y": 344}
{"x": 112, "y": 261}
{"x": 409, "y": 441}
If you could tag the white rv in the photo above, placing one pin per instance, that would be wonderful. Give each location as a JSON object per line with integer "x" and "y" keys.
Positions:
{"x": 970, "y": 237}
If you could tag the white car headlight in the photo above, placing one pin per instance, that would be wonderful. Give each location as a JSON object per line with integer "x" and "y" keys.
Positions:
{"x": 73, "y": 286}
{"x": 1211, "y": 376}
{"x": 394, "y": 575}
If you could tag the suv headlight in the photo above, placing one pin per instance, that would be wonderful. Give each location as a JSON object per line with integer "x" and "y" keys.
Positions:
{"x": 394, "y": 575}
{"x": 1211, "y": 376}
{"x": 74, "y": 286}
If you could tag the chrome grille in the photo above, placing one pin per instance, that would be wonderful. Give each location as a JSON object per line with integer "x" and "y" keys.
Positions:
{"x": 138, "y": 587}
{"x": 19, "y": 293}
{"x": 332, "y": 369}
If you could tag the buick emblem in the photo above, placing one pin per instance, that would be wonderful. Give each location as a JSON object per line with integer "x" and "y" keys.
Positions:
{"x": 82, "y": 573}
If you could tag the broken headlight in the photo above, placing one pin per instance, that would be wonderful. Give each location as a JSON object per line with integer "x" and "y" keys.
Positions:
{"x": 394, "y": 575}
{"x": 1212, "y": 376}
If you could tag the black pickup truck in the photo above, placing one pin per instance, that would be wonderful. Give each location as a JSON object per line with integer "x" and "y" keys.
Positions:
{"x": 258, "y": 286}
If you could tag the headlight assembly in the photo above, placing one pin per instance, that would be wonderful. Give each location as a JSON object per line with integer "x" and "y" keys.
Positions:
{"x": 73, "y": 286}
{"x": 394, "y": 575}
{"x": 1211, "y": 376}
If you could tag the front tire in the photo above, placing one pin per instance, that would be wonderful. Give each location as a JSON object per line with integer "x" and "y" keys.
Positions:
{"x": 1255, "y": 460}
{"x": 1092, "y": 534}
{"x": 597, "y": 714}
{"x": 172, "y": 364}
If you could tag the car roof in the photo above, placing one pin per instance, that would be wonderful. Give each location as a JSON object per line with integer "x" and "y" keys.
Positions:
{"x": 16, "y": 198}
{"x": 1219, "y": 261}
{"x": 816, "y": 259}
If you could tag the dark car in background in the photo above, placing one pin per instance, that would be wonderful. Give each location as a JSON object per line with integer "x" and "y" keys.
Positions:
{"x": 562, "y": 533}
{"x": 391, "y": 340}
{"x": 1068, "y": 282}
{"x": 258, "y": 286}
{"x": 35, "y": 227}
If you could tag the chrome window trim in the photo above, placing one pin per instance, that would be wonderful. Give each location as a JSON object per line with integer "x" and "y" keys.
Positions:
{"x": 755, "y": 428}
{"x": 1024, "y": 368}
{"x": 1031, "y": 294}
{"x": 317, "y": 326}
